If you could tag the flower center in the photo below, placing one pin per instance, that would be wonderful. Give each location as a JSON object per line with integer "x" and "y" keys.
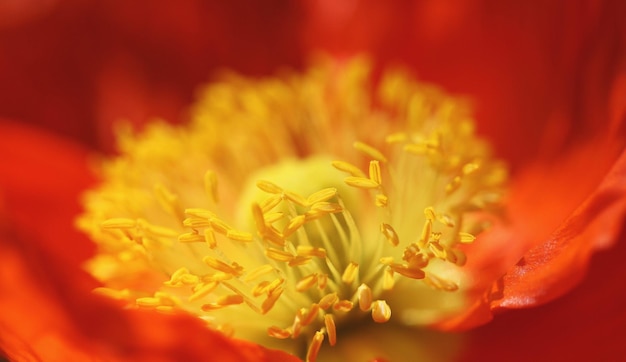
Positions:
{"x": 292, "y": 206}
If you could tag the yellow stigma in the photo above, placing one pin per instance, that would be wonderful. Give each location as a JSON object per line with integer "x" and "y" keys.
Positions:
{"x": 291, "y": 207}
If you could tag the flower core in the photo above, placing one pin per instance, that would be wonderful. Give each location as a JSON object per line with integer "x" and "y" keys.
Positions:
{"x": 292, "y": 206}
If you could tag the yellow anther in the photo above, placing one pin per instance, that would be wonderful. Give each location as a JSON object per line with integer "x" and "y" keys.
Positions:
{"x": 223, "y": 301}
{"x": 203, "y": 290}
{"x": 306, "y": 250}
{"x": 293, "y": 225}
{"x": 466, "y": 238}
{"x": 178, "y": 274}
{"x": 370, "y": 151}
{"x": 209, "y": 238}
{"x": 321, "y": 195}
{"x": 382, "y": 200}
{"x": 277, "y": 332}
{"x": 390, "y": 234}
{"x": 191, "y": 238}
{"x": 271, "y": 202}
{"x": 348, "y": 168}
{"x": 271, "y": 299}
{"x": 326, "y": 207}
{"x": 328, "y": 300}
{"x": 437, "y": 249}
{"x": 195, "y": 222}
{"x": 343, "y": 306}
{"x": 217, "y": 277}
{"x": 361, "y": 183}
{"x": 331, "y": 330}
{"x": 219, "y": 225}
{"x": 447, "y": 220}
{"x": 413, "y": 273}
{"x": 234, "y": 269}
{"x": 296, "y": 327}
{"x": 314, "y": 347}
{"x": 272, "y": 217}
{"x": 210, "y": 185}
{"x": 278, "y": 255}
{"x": 375, "y": 173}
{"x": 381, "y": 312}
{"x": 306, "y": 283}
{"x": 269, "y": 187}
{"x": 299, "y": 260}
{"x": 237, "y": 235}
{"x": 350, "y": 273}
{"x": 364, "y": 295}
{"x": 308, "y": 316}
{"x": 295, "y": 198}
{"x": 118, "y": 223}
{"x": 273, "y": 236}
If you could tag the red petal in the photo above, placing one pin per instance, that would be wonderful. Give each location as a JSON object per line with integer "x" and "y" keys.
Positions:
{"x": 588, "y": 324}
{"x": 41, "y": 178}
{"x": 170, "y": 49}
{"x": 522, "y": 63}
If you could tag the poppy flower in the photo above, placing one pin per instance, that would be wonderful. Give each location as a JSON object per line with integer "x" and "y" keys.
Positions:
{"x": 553, "y": 222}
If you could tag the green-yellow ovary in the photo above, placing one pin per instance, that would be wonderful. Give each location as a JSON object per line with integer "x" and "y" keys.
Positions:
{"x": 293, "y": 207}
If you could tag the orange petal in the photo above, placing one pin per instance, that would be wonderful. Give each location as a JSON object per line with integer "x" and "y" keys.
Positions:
{"x": 585, "y": 325}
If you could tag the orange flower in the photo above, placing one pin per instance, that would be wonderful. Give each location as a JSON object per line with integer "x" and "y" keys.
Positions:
{"x": 567, "y": 193}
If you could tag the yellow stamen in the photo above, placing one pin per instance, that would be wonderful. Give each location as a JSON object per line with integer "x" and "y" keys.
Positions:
{"x": 332, "y": 192}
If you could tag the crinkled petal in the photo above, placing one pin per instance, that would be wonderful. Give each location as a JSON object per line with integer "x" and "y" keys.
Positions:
{"x": 587, "y": 324}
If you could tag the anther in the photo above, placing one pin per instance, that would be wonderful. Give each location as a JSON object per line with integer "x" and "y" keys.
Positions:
{"x": 348, "y": 168}
{"x": 374, "y": 172}
{"x": 118, "y": 223}
{"x": 381, "y": 312}
{"x": 343, "y": 306}
{"x": 321, "y": 195}
{"x": 269, "y": 187}
{"x": 271, "y": 299}
{"x": 293, "y": 225}
{"x": 278, "y": 332}
{"x": 202, "y": 290}
{"x": 314, "y": 347}
{"x": 361, "y": 183}
{"x": 390, "y": 234}
{"x": 350, "y": 273}
{"x": 191, "y": 238}
{"x": 364, "y": 295}
{"x": 331, "y": 330}
{"x": 306, "y": 282}
{"x": 278, "y": 255}
{"x": 466, "y": 238}
{"x": 295, "y": 198}
{"x": 237, "y": 235}
{"x": 306, "y": 250}
{"x": 328, "y": 300}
